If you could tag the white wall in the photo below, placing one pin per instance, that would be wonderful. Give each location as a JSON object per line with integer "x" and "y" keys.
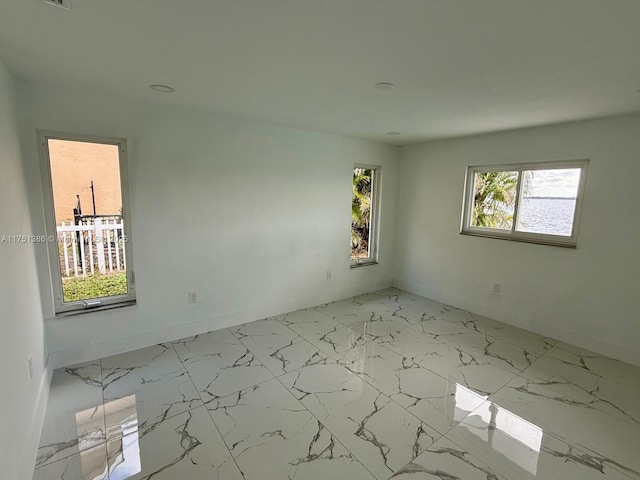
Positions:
{"x": 588, "y": 296}
{"x": 22, "y": 399}
{"x": 249, "y": 215}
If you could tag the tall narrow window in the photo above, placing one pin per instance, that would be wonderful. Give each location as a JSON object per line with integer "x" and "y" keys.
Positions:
{"x": 88, "y": 224}
{"x": 535, "y": 202}
{"x": 364, "y": 215}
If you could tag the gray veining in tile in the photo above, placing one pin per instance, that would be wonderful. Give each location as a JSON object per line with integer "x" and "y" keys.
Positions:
{"x": 90, "y": 464}
{"x": 577, "y": 423}
{"x": 379, "y": 433}
{"x": 219, "y": 364}
{"x": 279, "y": 348}
{"x": 586, "y": 388}
{"x": 517, "y": 448}
{"x": 155, "y": 381}
{"x": 271, "y": 435}
{"x": 439, "y": 403}
{"x": 74, "y": 421}
{"x": 446, "y": 461}
{"x": 186, "y": 446}
{"x": 614, "y": 370}
{"x": 385, "y": 385}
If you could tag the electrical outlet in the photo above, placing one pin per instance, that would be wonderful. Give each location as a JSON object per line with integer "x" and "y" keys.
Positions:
{"x": 328, "y": 274}
{"x": 30, "y": 362}
{"x": 193, "y": 297}
{"x": 495, "y": 288}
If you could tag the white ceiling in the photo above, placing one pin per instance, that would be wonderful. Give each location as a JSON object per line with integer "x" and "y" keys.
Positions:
{"x": 460, "y": 66}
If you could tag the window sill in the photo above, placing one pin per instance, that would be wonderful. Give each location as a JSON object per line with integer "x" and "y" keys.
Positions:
{"x": 101, "y": 308}
{"x": 363, "y": 264}
{"x": 542, "y": 240}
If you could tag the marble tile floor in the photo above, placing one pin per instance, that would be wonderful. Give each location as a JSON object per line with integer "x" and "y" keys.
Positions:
{"x": 387, "y": 385}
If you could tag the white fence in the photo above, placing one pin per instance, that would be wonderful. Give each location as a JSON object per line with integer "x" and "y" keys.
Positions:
{"x": 98, "y": 245}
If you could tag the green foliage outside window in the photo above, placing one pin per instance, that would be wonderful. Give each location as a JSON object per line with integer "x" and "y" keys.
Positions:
{"x": 494, "y": 199}
{"x": 361, "y": 212}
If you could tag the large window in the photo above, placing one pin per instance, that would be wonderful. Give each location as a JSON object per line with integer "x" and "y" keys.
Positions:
{"x": 364, "y": 215}
{"x": 88, "y": 221}
{"x": 533, "y": 202}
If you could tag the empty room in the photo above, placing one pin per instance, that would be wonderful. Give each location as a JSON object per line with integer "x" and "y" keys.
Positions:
{"x": 309, "y": 239}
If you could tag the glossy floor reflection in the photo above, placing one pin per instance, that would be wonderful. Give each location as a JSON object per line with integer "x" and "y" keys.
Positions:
{"x": 384, "y": 385}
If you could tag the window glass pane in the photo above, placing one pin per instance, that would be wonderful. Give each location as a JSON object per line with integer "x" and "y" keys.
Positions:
{"x": 361, "y": 212}
{"x": 548, "y": 201}
{"x": 87, "y": 201}
{"x": 494, "y": 195}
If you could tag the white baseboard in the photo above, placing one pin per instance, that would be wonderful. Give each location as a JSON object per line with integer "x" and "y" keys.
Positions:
{"x": 146, "y": 339}
{"x": 30, "y": 452}
{"x": 572, "y": 337}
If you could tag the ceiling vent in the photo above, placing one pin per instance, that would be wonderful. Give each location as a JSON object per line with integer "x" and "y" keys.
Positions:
{"x": 66, "y": 4}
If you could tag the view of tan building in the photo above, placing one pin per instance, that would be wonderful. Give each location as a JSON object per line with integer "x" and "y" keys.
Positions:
{"x": 74, "y": 165}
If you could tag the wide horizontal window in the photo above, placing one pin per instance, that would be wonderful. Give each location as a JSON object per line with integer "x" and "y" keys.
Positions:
{"x": 533, "y": 202}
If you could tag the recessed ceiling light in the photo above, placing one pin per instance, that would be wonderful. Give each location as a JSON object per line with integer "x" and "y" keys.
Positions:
{"x": 162, "y": 88}
{"x": 384, "y": 86}
{"x": 393, "y": 133}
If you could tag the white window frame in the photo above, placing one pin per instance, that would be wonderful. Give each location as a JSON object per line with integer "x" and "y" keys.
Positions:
{"x": 546, "y": 239}
{"x": 62, "y": 307}
{"x": 372, "y": 259}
